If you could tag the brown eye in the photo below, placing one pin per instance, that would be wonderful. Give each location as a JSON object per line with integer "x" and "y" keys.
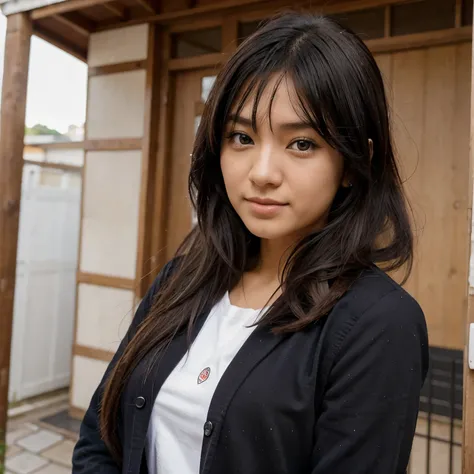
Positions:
{"x": 240, "y": 139}
{"x": 244, "y": 139}
{"x": 303, "y": 145}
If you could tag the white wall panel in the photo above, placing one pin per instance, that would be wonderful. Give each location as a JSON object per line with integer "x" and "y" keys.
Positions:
{"x": 118, "y": 46}
{"x": 73, "y": 156}
{"x": 116, "y": 105}
{"x": 87, "y": 376}
{"x": 110, "y": 213}
{"x": 103, "y": 316}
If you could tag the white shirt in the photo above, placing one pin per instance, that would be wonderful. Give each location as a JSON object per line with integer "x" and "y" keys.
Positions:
{"x": 175, "y": 432}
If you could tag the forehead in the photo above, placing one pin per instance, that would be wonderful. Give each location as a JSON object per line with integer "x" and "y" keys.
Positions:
{"x": 275, "y": 101}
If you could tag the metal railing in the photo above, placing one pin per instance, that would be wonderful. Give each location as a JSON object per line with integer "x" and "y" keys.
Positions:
{"x": 437, "y": 443}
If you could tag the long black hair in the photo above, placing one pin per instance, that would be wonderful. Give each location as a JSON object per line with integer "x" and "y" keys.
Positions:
{"x": 341, "y": 93}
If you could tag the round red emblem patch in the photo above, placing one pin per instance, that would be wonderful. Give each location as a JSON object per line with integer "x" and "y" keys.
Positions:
{"x": 204, "y": 375}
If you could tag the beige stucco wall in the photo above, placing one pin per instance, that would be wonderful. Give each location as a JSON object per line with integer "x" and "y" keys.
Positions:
{"x": 111, "y": 194}
{"x": 110, "y": 213}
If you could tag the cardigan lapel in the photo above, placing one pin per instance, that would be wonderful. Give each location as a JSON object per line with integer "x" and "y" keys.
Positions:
{"x": 259, "y": 345}
{"x": 145, "y": 384}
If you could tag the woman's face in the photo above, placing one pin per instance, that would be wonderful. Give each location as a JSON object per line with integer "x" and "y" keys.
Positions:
{"x": 282, "y": 179}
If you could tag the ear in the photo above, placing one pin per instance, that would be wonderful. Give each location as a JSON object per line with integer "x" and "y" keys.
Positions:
{"x": 346, "y": 181}
{"x": 371, "y": 148}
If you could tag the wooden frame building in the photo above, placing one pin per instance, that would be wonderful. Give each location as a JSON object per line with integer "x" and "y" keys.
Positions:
{"x": 151, "y": 64}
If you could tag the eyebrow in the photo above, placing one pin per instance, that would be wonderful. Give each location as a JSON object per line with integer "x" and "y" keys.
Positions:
{"x": 291, "y": 126}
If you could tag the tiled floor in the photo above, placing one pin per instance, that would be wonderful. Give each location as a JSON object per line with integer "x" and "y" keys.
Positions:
{"x": 42, "y": 442}
{"x": 36, "y": 447}
{"x": 439, "y": 455}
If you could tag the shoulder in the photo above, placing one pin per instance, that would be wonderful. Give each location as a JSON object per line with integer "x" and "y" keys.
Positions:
{"x": 375, "y": 288}
{"x": 376, "y": 292}
{"x": 376, "y": 307}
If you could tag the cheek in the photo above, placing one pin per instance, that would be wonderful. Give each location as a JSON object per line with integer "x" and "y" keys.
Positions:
{"x": 316, "y": 184}
{"x": 230, "y": 173}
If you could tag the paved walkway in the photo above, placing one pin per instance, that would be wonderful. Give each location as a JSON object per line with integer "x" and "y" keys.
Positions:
{"x": 41, "y": 442}
{"x": 38, "y": 447}
{"x": 439, "y": 450}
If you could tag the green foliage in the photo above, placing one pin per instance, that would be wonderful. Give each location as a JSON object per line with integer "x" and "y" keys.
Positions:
{"x": 39, "y": 129}
{"x": 3, "y": 451}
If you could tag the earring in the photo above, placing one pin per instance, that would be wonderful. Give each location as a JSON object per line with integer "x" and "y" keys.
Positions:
{"x": 349, "y": 185}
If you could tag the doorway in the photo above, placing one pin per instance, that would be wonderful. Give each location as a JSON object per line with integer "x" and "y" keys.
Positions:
{"x": 191, "y": 89}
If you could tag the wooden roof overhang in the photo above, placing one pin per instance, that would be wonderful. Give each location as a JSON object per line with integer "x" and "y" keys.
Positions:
{"x": 68, "y": 24}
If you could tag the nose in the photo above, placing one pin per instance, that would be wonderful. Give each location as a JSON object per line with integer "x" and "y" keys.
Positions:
{"x": 265, "y": 169}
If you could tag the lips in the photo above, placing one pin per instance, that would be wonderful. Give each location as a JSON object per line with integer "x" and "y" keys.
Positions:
{"x": 265, "y": 208}
{"x": 266, "y": 201}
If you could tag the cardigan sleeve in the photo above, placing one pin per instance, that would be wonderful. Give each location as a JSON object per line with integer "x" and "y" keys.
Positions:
{"x": 370, "y": 405}
{"x": 90, "y": 455}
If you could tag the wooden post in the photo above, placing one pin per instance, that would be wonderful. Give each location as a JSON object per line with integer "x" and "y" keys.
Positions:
{"x": 162, "y": 175}
{"x": 146, "y": 262}
{"x": 12, "y": 131}
{"x": 468, "y": 402}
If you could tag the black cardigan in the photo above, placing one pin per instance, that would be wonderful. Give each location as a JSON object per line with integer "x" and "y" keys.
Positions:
{"x": 340, "y": 397}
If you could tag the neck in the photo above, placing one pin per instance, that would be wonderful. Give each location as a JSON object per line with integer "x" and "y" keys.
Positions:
{"x": 263, "y": 284}
{"x": 273, "y": 257}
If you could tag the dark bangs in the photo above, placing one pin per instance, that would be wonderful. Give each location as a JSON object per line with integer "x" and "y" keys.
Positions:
{"x": 330, "y": 81}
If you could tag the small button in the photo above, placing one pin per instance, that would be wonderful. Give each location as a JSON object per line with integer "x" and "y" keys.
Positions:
{"x": 140, "y": 402}
{"x": 208, "y": 427}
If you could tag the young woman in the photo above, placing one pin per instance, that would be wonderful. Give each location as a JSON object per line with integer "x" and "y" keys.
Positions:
{"x": 273, "y": 344}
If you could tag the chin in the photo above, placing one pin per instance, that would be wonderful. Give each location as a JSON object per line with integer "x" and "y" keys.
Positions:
{"x": 266, "y": 229}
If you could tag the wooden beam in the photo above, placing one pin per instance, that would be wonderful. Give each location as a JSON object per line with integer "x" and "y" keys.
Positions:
{"x": 105, "y": 280}
{"x": 355, "y": 5}
{"x": 92, "y": 352}
{"x": 74, "y": 145}
{"x": 248, "y": 9}
{"x": 117, "y": 10}
{"x": 148, "y": 6}
{"x": 69, "y": 6}
{"x": 113, "y": 144}
{"x": 148, "y": 166}
{"x": 115, "y": 68}
{"x": 60, "y": 43}
{"x": 169, "y": 17}
{"x": 77, "y": 22}
{"x": 468, "y": 382}
{"x": 186, "y": 26}
{"x": 54, "y": 166}
{"x": 420, "y": 40}
{"x": 197, "y": 62}
{"x": 12, "y": 129}
{"x": 163, "y": 157}
{"x": 265, "y": 10}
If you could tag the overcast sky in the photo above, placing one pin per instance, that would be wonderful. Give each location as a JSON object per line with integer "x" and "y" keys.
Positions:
{"x": 56, "y": 85}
